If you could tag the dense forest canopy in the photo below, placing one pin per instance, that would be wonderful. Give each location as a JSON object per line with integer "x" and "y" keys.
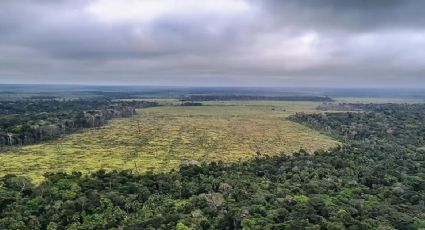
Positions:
{"x": 33, "y": 120}
{"x": 401, "y": 124}
{"x": 375, "y": 181}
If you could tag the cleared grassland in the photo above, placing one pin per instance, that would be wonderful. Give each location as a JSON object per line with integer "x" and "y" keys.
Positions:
{"x": 375, "y": 100}
{"x": 160, "y": 138}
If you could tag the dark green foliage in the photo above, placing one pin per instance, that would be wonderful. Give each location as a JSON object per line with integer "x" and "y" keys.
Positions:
{"x": 31, "y": 121}
{"x": 364, "y": 191}
{"x": 34, "y": 106}
{"x": 401, "y": 124}
{"x": 357, "y": 186}
{"x": 191, "y": 103}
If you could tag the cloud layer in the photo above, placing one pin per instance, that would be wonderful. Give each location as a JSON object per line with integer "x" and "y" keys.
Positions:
{"x": 352, "y": 43}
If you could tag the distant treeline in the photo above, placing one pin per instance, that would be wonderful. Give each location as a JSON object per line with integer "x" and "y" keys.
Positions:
{"x": 339, "y": 107}
{"x": 191, "y": 103}
{"x": 33, "y": 121}
{"x": 225, "y": 97}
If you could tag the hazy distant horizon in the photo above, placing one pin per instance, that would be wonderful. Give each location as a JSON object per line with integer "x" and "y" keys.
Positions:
{"x": 141, "y": 91}
{"x": 420, "y": 87}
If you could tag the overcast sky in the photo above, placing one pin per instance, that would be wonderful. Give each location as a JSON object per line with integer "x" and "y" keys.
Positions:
{"x": 345, "y": 43}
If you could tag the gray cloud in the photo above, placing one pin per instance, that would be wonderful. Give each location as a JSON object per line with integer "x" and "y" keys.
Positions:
{"x": 350, "y": 15}
{"x": 241, "y": 42}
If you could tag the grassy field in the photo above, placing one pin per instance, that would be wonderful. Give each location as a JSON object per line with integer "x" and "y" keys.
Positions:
{"x": 160, "y": 138}
{"x": 375, "y": 100}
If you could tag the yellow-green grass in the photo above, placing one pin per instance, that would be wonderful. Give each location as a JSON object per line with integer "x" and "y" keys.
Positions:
{"x": 160, "y": 138}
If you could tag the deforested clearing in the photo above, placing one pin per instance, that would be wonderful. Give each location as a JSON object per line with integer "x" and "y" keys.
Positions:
{"x": 161, "y": 138}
